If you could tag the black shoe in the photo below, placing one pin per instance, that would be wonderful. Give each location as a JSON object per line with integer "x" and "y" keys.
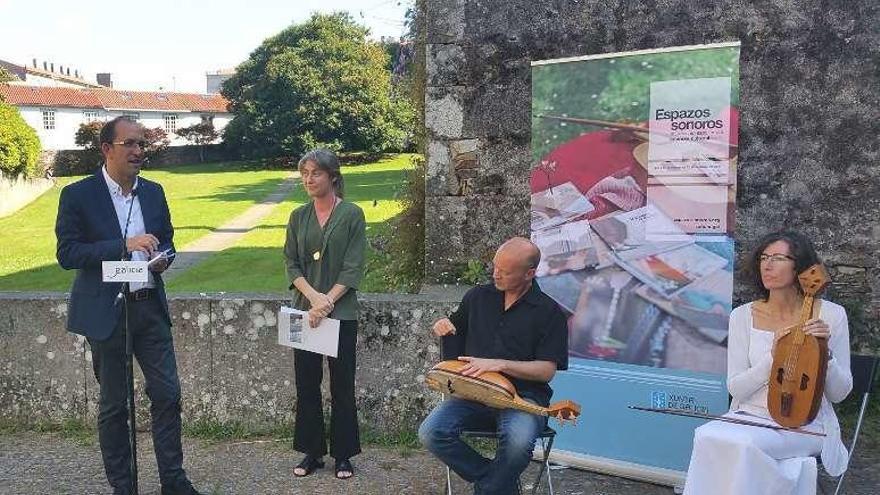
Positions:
{"x": 182, "y": 489}
{"x": 309, "y": 464}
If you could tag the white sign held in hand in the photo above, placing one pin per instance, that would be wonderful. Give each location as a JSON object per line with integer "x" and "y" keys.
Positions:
{"x": 125, "y": 271}
{"x": 294, "y": 331}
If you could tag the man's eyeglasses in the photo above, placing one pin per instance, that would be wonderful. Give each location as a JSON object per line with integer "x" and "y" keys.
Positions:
{"x": 775, "y": 258}
{"x": 131, "y": 143}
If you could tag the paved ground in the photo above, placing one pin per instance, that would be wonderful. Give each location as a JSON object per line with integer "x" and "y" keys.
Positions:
{"x": 35, "y": 463}
{"x": 40, "y": 463}
{"x": 229, "y": 233}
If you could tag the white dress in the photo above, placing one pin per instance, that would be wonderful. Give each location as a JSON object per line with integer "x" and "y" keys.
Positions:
{"x": 731, "y": 459}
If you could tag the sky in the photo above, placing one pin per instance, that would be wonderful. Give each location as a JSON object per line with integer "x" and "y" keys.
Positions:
{"x": 165, "y": 45}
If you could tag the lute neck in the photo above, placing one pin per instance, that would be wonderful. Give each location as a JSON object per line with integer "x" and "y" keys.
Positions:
{"x": 526, "y": 406}
{"x": 807, "y": 309}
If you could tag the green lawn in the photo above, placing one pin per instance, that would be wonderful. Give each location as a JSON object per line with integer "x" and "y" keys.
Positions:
{"x": 255, "y": 263}
{"x": 201, "y": 197}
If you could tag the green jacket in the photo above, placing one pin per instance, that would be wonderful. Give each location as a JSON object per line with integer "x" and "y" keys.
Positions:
{"x": 342, "y": 254}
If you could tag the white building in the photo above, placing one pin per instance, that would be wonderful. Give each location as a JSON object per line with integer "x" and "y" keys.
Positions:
{"x": 57, "y": 112}
{"x": 214, "y": 80}
{"x": 47, "y": 75}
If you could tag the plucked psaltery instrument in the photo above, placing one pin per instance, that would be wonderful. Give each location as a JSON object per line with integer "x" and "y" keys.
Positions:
{"x": 492, "y": 389}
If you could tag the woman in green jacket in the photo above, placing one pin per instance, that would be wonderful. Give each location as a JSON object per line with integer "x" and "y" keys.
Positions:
{"x": 324, "y": 252}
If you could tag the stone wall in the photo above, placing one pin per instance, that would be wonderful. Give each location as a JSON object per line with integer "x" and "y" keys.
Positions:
{"x": 231, "y": 368}
{"x": 17, "y": 192}
{"x": 809, "y": 135}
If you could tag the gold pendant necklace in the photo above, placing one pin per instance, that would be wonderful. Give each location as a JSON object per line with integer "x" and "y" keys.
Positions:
{"x": 317, "y": 254}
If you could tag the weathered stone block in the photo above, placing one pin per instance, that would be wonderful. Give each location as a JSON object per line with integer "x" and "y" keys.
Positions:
{"x": 446, "y": 65}
{"x": 444, "y": 115}
{"x": 194, "y": 323}
{"x": 445, "y": 20}
{"x": 510, "y": 161}
{"x": 43, "y": 365}
{"x": 252, "y": 375}
{"x": 395, "y": 349}
{"x": 444, "y": 242}
{"x": 465, "y": 166}
{"x": 439, "y": 178}
{"x": 470, "y": 228}
{"x": 499, "y": 111}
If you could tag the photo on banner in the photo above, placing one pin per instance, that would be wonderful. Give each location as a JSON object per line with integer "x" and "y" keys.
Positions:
{"x": 633, "y": 202}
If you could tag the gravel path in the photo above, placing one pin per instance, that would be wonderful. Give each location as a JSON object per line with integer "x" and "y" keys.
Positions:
{"x": 41, "y": 463}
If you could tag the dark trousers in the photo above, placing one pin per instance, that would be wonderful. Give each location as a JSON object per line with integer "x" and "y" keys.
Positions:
{"x": 308, "y": 435}
{"x": 154, "y": 351}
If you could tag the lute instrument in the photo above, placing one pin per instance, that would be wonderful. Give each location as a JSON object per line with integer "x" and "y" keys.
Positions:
{"x": 797, "y": 377}
{"x": 492, "y": 389}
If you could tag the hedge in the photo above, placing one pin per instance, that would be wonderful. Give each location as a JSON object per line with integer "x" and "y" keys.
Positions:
{"x": 19, "y": 144}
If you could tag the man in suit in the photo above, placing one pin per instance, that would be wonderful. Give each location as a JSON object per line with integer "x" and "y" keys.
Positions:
{"x": 109, "y": 216}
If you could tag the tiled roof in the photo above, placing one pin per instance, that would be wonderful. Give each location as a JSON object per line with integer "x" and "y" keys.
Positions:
{"x": 110, "y": 99}
{"x": 44, "y": 96}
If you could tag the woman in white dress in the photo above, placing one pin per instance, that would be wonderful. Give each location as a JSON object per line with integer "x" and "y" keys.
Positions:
{"x": 732, "y": 459}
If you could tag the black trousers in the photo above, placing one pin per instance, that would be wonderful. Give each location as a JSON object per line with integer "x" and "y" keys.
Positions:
{"x": 154, "y": 351}
{"x": 308, "y": 435}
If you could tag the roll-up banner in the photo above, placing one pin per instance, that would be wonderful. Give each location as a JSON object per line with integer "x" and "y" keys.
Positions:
{"x": 633, "y": 202}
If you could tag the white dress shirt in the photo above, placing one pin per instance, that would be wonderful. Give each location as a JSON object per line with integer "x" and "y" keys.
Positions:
{"x": 122, "y": 203}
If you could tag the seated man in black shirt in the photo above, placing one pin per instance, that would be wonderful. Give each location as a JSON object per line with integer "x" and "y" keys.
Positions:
{"x": 513, "y": 328}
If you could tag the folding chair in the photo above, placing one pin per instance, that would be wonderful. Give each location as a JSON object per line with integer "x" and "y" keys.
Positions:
{"x": 864, "y": 373}
{"x": 547, "y": 436}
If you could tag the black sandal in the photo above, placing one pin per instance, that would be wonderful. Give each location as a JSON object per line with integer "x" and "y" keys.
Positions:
{"x": 343, "y": 465}
{"x": 309, "y": 464}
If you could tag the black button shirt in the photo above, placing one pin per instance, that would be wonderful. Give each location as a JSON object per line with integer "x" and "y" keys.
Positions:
{"x": 532, "y": 329}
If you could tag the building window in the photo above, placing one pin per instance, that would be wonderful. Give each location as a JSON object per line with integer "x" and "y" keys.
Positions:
{"x": 90, "y": 116}
{"x": 49, "y": 119}
{"x": 207, "y": 118}
{"x": 170, "y": 123}
{"x": 133, "y": 116}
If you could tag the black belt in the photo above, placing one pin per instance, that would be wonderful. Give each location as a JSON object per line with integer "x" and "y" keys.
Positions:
{"x": 141, "y": 295}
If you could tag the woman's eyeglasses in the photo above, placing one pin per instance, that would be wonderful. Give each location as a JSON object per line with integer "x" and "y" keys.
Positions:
{"x": 775, "y": 258}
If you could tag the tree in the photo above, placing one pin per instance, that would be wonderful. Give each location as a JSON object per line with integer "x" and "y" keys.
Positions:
{"x": 5, "y": 76}
{"x": 19, "y": 144}
{"x": 88, "y": 136}
{"x": 320, "y": 83}
{"x": 201, "y": 134}
{"x": 157, "y": 142}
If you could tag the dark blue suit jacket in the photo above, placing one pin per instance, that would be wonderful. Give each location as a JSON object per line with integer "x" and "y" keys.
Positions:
{"x": 88, "y": 233}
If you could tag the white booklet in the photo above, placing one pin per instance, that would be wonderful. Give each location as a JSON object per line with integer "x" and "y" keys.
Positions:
{"x": 294, "y": 331}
